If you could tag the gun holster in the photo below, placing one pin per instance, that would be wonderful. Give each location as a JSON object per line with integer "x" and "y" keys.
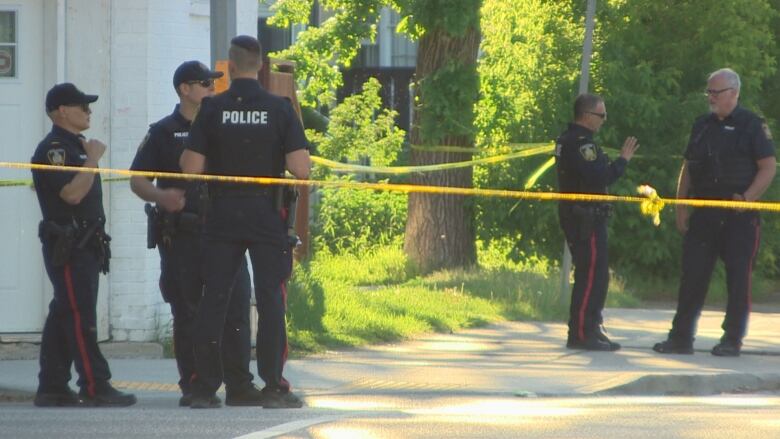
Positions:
{"x": 152, "y": 225}
{"x": 286, "y": 202}
{"x": 64, "y": 237}
{"x": 588, "y": 216}
{"x": 93, "y": 234}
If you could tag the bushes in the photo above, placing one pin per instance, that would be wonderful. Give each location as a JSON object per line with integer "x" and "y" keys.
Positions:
{"x": 358, "y": 220}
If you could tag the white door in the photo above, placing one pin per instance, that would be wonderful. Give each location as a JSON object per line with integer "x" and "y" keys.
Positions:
{"x": 24, "y": 290}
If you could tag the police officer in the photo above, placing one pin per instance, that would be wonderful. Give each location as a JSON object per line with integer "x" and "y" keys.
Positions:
{"x": 249, "y": 132}
{"x": 75, "y": 251}
{"x": 175, "y": 226}
{"x": 730, "y": 156}
{"x": 584, "y": 168}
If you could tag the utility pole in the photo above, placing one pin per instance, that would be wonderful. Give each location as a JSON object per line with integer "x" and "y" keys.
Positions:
{"x": 224, "y": 26}
{"x": 587, "y": 50}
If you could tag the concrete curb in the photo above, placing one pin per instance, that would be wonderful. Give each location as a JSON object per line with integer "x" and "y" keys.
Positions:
{"x": 696, "y": 385}
{"x": 14, "y": 395}
{"x": 115, "y": 350}
{"x": 648, "y": 385}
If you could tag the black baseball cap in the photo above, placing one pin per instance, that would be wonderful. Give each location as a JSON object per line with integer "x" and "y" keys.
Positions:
{"x": 193, "y": 71}
{"x": 67, "y": 94}
{"x": 246, "y": 42}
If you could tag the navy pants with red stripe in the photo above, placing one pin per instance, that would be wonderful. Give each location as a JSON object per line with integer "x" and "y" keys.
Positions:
{"x": 238, "y": 225}
{"x": 734, "y": 237}
{"x": 591, "y": 280}
{"x": 70, "y": 332}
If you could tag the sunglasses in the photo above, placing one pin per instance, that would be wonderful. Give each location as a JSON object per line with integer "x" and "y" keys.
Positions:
{"x": 601, "y": 115}
{"x": 205, "y": 83}
{"x": 83, "y": 107}
{"x": 715, "y": 93}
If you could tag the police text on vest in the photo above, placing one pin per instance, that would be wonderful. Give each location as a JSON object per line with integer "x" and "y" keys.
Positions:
{"x": 245, "y": 117}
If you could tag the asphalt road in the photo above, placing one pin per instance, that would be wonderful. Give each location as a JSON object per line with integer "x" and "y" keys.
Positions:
{"x": 414, "y": 415}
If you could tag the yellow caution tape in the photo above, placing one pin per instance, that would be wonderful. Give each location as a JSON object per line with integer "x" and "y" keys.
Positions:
{"x": 396, "y": 170}
{"x": 653, "y": 205}
{"x": 656, "y": 203}
{"x": 465, "y": 149}
{"x": 29, "y": 182}
{"x": 538, "y": 173}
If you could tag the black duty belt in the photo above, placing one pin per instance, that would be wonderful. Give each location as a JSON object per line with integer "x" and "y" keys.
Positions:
{"x": 241, "y": 191}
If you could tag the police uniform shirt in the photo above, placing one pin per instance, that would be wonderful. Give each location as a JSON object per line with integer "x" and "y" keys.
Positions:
{"x": 582, "y": 166}
{"x": 722, "y": 154}
{"x": 160, "y": 151}
{"x": 63, "y": 148}
{"x": 246, "y": 131}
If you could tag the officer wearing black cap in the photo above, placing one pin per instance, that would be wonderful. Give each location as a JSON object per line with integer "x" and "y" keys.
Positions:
{"x": 75, "y": 251}
{"x": 245, "y": 131}
{"x": 584, "y": 168}
{"x": 175, "y": 225}
{"x": 730, "y": 156}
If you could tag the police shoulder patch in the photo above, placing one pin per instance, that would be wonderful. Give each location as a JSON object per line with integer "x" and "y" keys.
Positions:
{"x": 56, "y": 156}
{"x": 588, "y": 152}
{"x": 767, "y": 132}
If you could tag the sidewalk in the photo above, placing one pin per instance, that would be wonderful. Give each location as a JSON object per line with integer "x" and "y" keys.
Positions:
{"x": 519, "y": 358}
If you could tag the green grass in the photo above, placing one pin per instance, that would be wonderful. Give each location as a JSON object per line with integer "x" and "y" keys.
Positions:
{"x": 330, "y": 304}
{"x": 356, "y": 299}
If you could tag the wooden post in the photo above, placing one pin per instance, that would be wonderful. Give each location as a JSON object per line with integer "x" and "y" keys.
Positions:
{"x": 281, "y": 81}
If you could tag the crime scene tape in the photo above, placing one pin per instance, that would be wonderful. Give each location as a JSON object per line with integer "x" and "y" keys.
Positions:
{"x": 531, "y": 150}
{"x": 29, "y": 182}
{"x": 396, "y": 170}
{"x": 464, "y": 149}
{"x": 653, "y": 204}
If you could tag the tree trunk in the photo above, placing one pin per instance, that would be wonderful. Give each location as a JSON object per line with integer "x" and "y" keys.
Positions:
{"x": 439, "y": 228}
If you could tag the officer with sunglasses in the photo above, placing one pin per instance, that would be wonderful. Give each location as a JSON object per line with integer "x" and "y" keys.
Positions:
{"x": 245, "y": 131}
{"x": 730, "y": 156}
{"x": 584, "y": 168}
{"x": 175, "y": 224}
{"x": 75, "y": 252}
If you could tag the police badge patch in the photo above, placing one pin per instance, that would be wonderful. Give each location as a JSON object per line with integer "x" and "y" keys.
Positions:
{"x": 767, "y": 132}
{"x": 56, "y": 156}
{"x": 588, "y": 152}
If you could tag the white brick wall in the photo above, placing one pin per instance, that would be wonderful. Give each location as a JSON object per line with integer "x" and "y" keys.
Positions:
{"x": 132, "y": 299}
{"x": 149, "y": 39}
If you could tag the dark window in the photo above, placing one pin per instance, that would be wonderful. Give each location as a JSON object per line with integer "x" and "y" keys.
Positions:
{"x": 368, "y": 56}
{"x": 273, "y": 39}
{"x": 8, "y": 41}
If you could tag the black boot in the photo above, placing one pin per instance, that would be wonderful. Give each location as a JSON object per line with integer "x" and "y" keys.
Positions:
{"x": 61, "y": 398}
{"x": 107, "y": 396}
{"x": 674, "y": 346}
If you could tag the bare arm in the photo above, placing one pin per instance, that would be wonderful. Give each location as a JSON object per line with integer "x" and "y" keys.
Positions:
{"x": 170, "y": 199}
{"x": 767, "y": 167}
{"x": 192, "y": 162}
{"x": 75, "y": 191}
{"x": 298, "y": 163}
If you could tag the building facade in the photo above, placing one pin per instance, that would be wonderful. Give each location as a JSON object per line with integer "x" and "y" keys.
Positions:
{"x": 126, "y": 52}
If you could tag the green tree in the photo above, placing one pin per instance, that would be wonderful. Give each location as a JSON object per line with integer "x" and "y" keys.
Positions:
{"x": 651, "y": 65}
{"x": 439, "y": 231}
{"x": 359, "y": 128}
{"x": 358, "y": 220}
{"x": 529, "y": 69}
